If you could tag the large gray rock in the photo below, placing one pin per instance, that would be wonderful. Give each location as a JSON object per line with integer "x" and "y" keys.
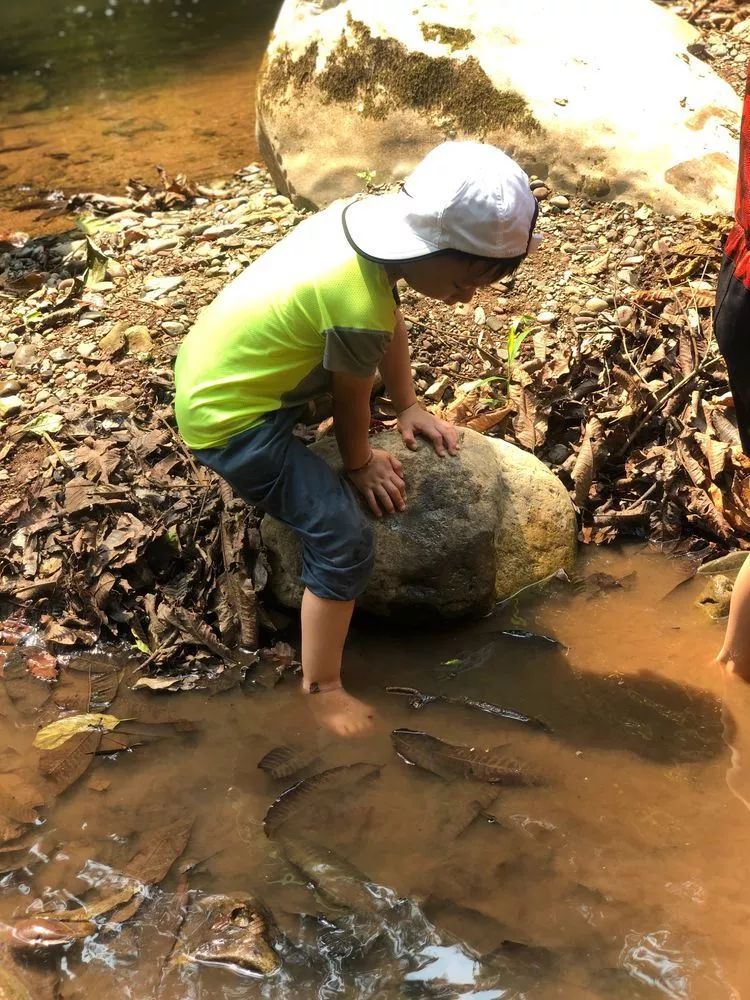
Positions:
{"x": 602, "y": 97}
{"x": 477, "y": 528}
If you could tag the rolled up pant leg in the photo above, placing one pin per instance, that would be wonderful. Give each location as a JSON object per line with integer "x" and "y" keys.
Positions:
{"x": 732, "y": 329}
{"x": 275, "y": 471}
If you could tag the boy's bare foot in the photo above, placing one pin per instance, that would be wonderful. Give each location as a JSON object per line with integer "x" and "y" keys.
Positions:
{"x": 740, "y": 668}
{"x": 340, "y": 712}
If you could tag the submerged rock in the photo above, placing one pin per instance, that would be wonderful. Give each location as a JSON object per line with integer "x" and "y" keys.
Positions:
{"x": 566, "y": 100}
{"x": 476, "y": 529}
{"x": 716, "y": 597}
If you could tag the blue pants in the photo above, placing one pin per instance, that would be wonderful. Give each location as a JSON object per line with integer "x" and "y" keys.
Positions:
{"x": 272, "y": 469}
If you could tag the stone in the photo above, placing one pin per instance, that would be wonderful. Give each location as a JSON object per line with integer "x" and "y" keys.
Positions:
{"x": 624, "y": 315}
{"x": 10, "y": 387}
{"x": 540, "y": 193}
{"x": 560, "y": 201}
{"x": 86, "y": 348}
{"x": 7, "y": 349}
{"x": 173, "y": 327}
{"x": 716, "y": 597}
{"x": 25, "y": 357}
{"x": 477, "y": 529}
{"x": 437, "y": 390}
{"x": 139, "y": 340}
{"x": 341, "y": 68}
{"x": 596, "y": 305}
{"x": 546, "y": 317}
{"x": 10, "y": 405}
{"x": 60, "y": 354}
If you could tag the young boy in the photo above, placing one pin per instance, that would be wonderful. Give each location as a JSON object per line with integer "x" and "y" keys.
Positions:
{"x": 318, "y": 312}
{"x": 732, "y": 328}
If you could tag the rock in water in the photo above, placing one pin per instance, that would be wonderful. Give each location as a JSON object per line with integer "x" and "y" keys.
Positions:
{"x": 476, "y": 529}
{"x": 401, "y": 76}
{"x": 229, "y": 930}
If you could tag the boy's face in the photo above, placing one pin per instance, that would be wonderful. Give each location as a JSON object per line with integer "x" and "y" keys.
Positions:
{"x": 449, "y": 277}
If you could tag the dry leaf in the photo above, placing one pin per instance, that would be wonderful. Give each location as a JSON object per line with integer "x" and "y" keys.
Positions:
{"x": 53, "y": 736}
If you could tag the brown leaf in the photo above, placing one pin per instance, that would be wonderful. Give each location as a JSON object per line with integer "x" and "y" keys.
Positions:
{"x": 101, "y": 460}
{"x": 487, "y": 421}
{"x": 524, "y": 423}
{"x": 687, "y": 352}
{"x": 197, "y": 631}
{"x": 715, "y": 451}
{"x": 80, "y": 494}
{"x": 702, "y": 508}
{"x": 585, "y": 466}
{"x": 691, "y": 465}
{"x": 725, "y": 429}
{"x": 161, "y": 848}
{"x": 61, "y": 768}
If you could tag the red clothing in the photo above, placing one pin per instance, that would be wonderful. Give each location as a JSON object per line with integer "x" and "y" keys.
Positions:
{"x": 738, "y": 240}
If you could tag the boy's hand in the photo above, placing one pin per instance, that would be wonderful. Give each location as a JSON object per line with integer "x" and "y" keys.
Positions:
{"x": 414, "y": 420}
{"x": 381, "y": 484}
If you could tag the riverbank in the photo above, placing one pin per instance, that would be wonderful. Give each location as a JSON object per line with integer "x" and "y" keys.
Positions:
{"x": 109, "y": 529}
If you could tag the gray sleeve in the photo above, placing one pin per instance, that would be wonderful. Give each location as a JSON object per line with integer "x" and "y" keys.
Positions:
{"x": 354, "y": 351}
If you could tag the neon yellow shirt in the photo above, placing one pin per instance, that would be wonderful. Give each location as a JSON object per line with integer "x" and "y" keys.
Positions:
{"x": 310, "y": 306}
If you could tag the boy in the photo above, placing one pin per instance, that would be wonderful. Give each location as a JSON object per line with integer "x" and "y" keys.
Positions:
{"x": 732, "y": 328}
{"x": 318, "y": 312}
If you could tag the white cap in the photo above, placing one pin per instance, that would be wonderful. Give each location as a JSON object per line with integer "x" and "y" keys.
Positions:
{"x": 465, "y": 196}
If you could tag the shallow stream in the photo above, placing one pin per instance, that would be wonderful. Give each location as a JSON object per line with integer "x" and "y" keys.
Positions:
{"x": 620, "y": 872}
{"x": 96, "y": 92}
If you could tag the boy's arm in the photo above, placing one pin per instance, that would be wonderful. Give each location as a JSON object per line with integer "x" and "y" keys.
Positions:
{"x": 395, "y": 368}
{"x": 735, "y": 653}
{"x": 376, "y": 474}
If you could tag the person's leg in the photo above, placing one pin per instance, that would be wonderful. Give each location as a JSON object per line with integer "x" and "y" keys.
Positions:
{"x": 275, "y": 471}
{"x": 732, "y": 329}
{"x": 735, "y": 653}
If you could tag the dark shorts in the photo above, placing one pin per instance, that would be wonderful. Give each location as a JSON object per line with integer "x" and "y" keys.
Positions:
{"x": 272, "y": 469}
{"x": 732, "y": 329}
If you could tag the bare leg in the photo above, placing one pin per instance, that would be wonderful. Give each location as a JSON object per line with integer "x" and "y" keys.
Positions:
{"x": 735, "y": 653}
{"x": 325, "y": 625}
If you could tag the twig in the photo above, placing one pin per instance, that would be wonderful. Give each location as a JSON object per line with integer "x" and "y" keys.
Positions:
{"x": 163, "y": 648}
{"x": 703, "y": 366}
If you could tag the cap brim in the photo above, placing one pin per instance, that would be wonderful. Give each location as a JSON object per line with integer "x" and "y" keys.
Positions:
{"x": 376, "y": 227}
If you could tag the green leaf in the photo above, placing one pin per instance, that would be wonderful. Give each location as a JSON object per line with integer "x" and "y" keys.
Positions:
{"x": 518, "y": 331}
{"x": 96, "y": 263}
{"x": 56, "y": 733}
{"x": 45, "y": 423}
{"x": 140, "y": 644}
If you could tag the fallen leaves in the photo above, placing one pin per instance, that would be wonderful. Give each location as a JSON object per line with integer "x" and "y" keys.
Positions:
{"x": 53, "y": 736}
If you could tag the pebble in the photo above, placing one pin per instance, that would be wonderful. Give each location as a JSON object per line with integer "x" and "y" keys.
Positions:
{"x": 10, "y": 387}
{"x": 10, "y": 405}
{"x": 540, "y": 193}
{"x": 86, "y": 349}
{"x": 495, "y": 324}
{"x": 7, "y": 349}
{"x": 547, "y": 318}
{"x": 480, "y": 316}
{"x": 59, "y": 354}
{"x": 596, "y": 305}
{"x": 560, "y": 201}
{"x": 42, "y": 396}
{"x": 173, "y": 327}
{"x": 624, "y": 314}
{"x": 536, "y": 183}
{"x": 558, "y": 453}
{"x": 437, "y": 390}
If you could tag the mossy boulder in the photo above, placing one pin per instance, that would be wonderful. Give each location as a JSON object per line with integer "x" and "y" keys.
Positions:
{"x": 350, "y": 88}
{"x": 477, "y": 529}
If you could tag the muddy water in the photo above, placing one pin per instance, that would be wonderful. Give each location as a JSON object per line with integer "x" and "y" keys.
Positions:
{"x": 96, "y": 92}
{"x": 621, "y": 874}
